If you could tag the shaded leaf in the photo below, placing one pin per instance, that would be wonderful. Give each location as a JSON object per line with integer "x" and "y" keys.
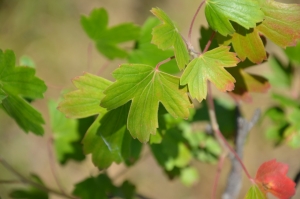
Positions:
{"x": 108, "y": 139}
{"x": 282, "y": 75}
{"x": 219, "y": 13}
{"x": 167, "y": 35}
{"x": 148, "y": 53}
{"x": 94, "y": 188}
{"x": 271, "y": 177}
{"x": 247, "y": 83}
{"x": 31, "y": 192}
{"x": 108, "y": 39}
{"x": 205, "y": 34}
{"x": 293, "y": 53}
{"x": 85, "y": 101}
{"x": 64, "y": 131}
{"x": 16, "y": 83}
{"x": 146, "y": 87}
{"x": 282, "y": 22}
{"x": 255, "y": 193}
{"x": 209, "y": 66}
{"x": 2, "y": 95}
{"x": 101, "y": 187}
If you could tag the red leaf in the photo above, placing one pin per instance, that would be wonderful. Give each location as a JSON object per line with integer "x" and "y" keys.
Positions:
{"x": 271, "y": 177}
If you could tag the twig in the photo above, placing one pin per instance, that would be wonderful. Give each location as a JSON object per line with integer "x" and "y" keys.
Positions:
{"x": 209, "y": 42}
{"x": 217, "y": 177}
{"x": 163, "y": 62}
{"x": 192, "y": 23}
{"x": 10, "y": 181}
{"x": 52, "y": 165}
{"x": 34, "y": 184}
{"x": 234, "y": 180}
{"x": 218, "y": 134}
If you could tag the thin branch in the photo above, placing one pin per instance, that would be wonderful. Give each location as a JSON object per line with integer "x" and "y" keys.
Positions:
{"x": 192, "y": 23}
{"x": 209, "y": 42}
{"x": 218, "y": 134}
{"x": 52, "y": 165}
{"x": 234, "y": 180}
{"x": 217, "y": 177}
{"x": 163, "y": 62}
{"x": 10, "y": 182}
{"x": 34, "y": 184}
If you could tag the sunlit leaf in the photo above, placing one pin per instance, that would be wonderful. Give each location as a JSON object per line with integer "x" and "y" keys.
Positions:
{"x": 282, "y": 74}
{"x": 255, "y": 193}
{"x": 219, "y": 13}
{"x": 17, "y": 83}
{"x": 85, "y": 101}
{"x": 107, "y": 38}
{"x": 167, "y": 35}
{"x": 209, "y": 66}
{"x": 293, "y": 53}
{"x": 146, "y": 87}
{"x": 189, "y": 176}
{"x": 282, "y": 22}
{"x": 148, "y": 53}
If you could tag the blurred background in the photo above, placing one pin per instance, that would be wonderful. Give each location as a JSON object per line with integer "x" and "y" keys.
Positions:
{"x": 50, "y": 33}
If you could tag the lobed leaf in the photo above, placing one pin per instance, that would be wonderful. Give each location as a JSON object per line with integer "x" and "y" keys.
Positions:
{"x": 85, "y": 101}
{"x": 150, "y": 54}
{"x": 282, "y": 22}
{"x": 108, "y": 139}
{"x": 146, "y": 87}
{"x": 219, "y": 13}
{"x": 16, "y": 83}
{"x": 271, "y": 177}
{"x": 167, "y": 35}
{"x": 209, "y": 66}
{"x": 107, "y": 39}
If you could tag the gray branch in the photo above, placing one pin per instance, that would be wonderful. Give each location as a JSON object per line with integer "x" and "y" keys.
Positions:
{"x": 234, "y": 181}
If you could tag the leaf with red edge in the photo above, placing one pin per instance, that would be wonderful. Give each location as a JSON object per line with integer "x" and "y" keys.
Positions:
{"x": 271, "y": 177}
{"x": 210, "y": 66}
{"x": 282, "y": 22}
{"x": 247, "y": 83}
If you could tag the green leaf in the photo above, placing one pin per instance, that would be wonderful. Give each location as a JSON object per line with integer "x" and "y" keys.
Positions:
{"x": 248, "y": 44}
{"x": 282, "y": 22}
{"x": 209, "y": 66}
{"x": 255, "y": 193}
{"x": 101, "y": 187}
{"x": 25, "y": 115}
{"x": 108, "y": 39}
{"x": 150, "y": 54}
{"x": 219, "y": 13}
{"x": 85, "y": 101}
{"x": 64, "y": 131}
{"x": 172, "y": 152}
{"x": 293, "y": 53}
{"x": 108, "y": 139}
{"x": 146, "y": 87}
{"x": 167, "y": 35}
{"x": 27, "y": 61}
{"x": 2, "y": 95}
{"x": 189, "y": 176}
{"x": 31, "y": 192}
{"x": 16, "y": 83}
{"x": 286, "y": 101}
{"x": 94, "y": 188}
{"x": 282, "y": 74}
{"x": 247, "y": 83}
